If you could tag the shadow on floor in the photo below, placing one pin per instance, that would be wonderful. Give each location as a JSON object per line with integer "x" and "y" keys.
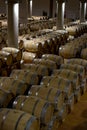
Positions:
{"x": 82, "y": 126}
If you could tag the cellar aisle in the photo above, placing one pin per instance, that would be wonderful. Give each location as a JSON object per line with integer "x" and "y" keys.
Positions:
{"x": 77, "y": 119}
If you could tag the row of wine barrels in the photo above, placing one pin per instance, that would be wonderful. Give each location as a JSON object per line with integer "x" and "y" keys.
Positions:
{"x": 53, "y": 95}
{"x": 16, "y": 87}
{"x": 83, "y": 63}
{"x": 34, "y": 25}
{"x": 35, "y": 106}
{"x": 16, "y": 53}
{"x": 41, "y": 44}
{"x": 48, "y": 63}
{"x": 77, "y": 30}
{"x": 78, "y": 61}
{"x": 41, "y": 70}
{"x": 15, "y": 119}
{"x": 28, "y": 77}
{"x": 75, "y": 48}
{"x": 55, "y": 58}
{"x": 59, "y": 83}
{"x": 5, "y": 97}
{"x": 70, "y": 75}
{"x": 69, "y": 51}
{"x": 77, "y": 68}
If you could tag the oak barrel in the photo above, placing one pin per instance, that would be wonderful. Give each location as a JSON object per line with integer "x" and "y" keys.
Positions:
{"x": 35, "y": 106}
{"x": 70, "y": 75}
{"x": 5, "y": 97}
{"x": 55, "y": 58}
{"x": 58, "y": 82}
{"x": 16, "y": 53}
{"x": 76, "y": 68}
{"x": 13, "y": 85}
{"x": 52, "y": 95}
{"x": 27, "y": 76}
{"x": 17, "y": 120}
{"x": 39, "y": 69}
{"x": 6, "y": 58}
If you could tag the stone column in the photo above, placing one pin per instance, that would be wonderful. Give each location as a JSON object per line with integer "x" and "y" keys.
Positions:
{"x": 82, "y": 10}
{"x": 12, "y": 19}
{"x": 60, "y": 13}
{"x": 51, "y": 9}
{"x": 30, "y": 8}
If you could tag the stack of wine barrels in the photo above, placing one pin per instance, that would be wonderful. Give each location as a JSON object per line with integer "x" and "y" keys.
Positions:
{"x": 35, "y": 106}
{"x": 9, "y": 59}
{"x": 65, "y": 86}
{"x": 13, "y": 85}
{"x": 77, "y": 30}
{"x": 39, "y": 93}
{"x": 45, "y": 90}
{"x": 83, "y": 65}
{"x": 75, "y": 48}
{"x": 36, "y": 47}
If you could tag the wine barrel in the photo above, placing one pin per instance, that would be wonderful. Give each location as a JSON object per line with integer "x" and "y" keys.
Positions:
{"x": 16, "y": 53}
{"x": 17, "y": 120}
{"x": 5, "y": 97}
{"x": 13, "y": 85}
{"x": 53, "y": 95}
{"x": 55, "y": 58}
{"x": 77, "y": 68}
{"x": 48, "y": 63}
{"x": 39, "y": 69}
{"x": 52, "y": 125}
{"x": 70, "y": 75}
{"x": 46, "y": 80}
{"x": 35, "y": 106}
{"x": 27, "y": 76}
{"x": 84, "y": 53}
{"x": 28, "y": 57}
{"x": 60, "y": 83}
{"x": 78, "y": 61}
{"x": 30, "y": 45}
{"x": 62, "y": 114}
{"x": 68, "y": 51}
{"x": 6, "y": 58}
